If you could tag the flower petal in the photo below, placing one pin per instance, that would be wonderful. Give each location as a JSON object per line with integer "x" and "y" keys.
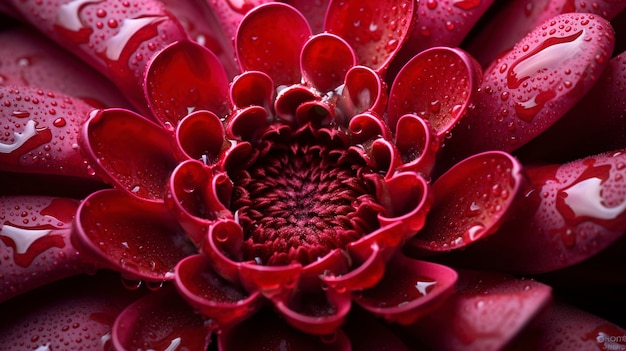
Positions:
{"x": 375, "y": 29}
{"x": 368, "y": 333}
{"x": 409, "y": 290}
{"x": 160, "y": 321}
{"x": 269, "y": 39}
{"x": 200, "y": 135}
{"x": 41, "y": 131}
{"x": 407, "y": 198}
{"x": 417, "y": 144}
{"x": 265, "y": 331}
{"x": 212, "y": 295}
{"x": 116, "y": 39}
{"x": 486, "y": 313}
{"x": 182, "y": 78}
{"x": 129, "y": 152}
{"x": 568, "y": 213}
{"x": 35, "y": 246}
{"x": 529, "y": 88}
{"x": 130, "y": 235}
{"x": 28, "y": 60}
{"x": 317, "y": 313}
{"x": 325, "y": 60}
{"x": 422, "y": 87}
{"x": 472, "y": 200}
{"x": 230, "y": 13}
{"x": 364, "y": 91}
{"x": 252, "y": 88}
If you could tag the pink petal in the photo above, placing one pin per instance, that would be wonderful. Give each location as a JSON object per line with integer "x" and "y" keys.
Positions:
{"x": 265, "y": 331}
{"x": 409, "y": 290}
{"x": 116, "y": 40}
{"x": 529, "y": 88}
{"x": 41, "y": 131}
{"x": 325, "y": 60}
{"x": 213, "y": 296}
{"x": 35, "y": 246}
{"x": 129, "y": 152}
{"x": 182, "y": 78}
{"x": 568, "y": 214}
{"x": 486, "y": 313}
{"x": 160, "y": 321}
{"x": 269, "y": 39}
{"x": 375, "y": 29}
{"x": 317, "y": 313}
{"x": 471, "y": 201}
{"x": 492, "y": 40}
{"x": 565, "y": 327}
{"x": 74, "y": 314}
{"x": 130, "y": 235}
{"x": 422, "y": 87}
{"x": 27, "y": 59}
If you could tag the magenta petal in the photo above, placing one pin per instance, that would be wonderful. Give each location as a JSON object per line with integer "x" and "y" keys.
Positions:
{"x": 422, "y": 87}
{"x": 35, "y": 246}
{"x": 530, "y": 87}
{"x": 185, "y": 77}
{"x": 408, "y": 198}
{"x": 27, "y": 59}
{"x": 230, "y": 13}
{"x": 375, "y": 29}
{"x": 325, "y": 60}
{"x": 290, "y": 99}
{"x": 200, "y": 136}
{"x": 366, "y": 126}
{"x": 486, "y": 313}
{"x": 417, "y": 144}
{"x": 472, "y": 200}
{"x": 247, "y": 124}
{"x": 130, "y": 235}
{"x": 177, "y": 324}
{"x": 252, "y": 88}
{"x": 74, "y": 314}
{"x": 364, "y": 91}
{"x": 129, "y": 152}
{"x": 40, "y": 132}
{"x": 265, "y": 331}
{"x": 409, "y": 290}
{"x": 269, "y": 39}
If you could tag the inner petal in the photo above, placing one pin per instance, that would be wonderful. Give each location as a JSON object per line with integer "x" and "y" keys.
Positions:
{"x": 299, "y": 201}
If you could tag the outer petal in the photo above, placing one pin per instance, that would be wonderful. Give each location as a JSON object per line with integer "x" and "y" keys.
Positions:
{"x": 160, "y": 321}
{"x": 129, "y": 152}
{"x": 27, "y": 59}
{"x": 130, "y": 235}
{"x": 117, "y": 39}
{"x": 375, "y": 29}
{"x": 422, "y": 87}
{"x": 182, "y": 78}
{"x": 409, "y": 290}
{"x": 568, "y": 214}
{"x": 471, "y": 201}
{"x": 265, "y": 331}
{"x": 269, "y": 39}
{"x": 230, "y": 13}
{"x": 528, "y": 89}
{"x": 35, "y": 245}
{"x": 486, "y": 313}
{"x": 41, "y": 131}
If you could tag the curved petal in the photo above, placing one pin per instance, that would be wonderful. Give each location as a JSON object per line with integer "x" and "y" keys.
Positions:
{"x": 177, "y": 324}
{"x": 213, "y": 296}
{"x": 375, "y": 29}
{"x": 422, "y": 87}
{"x": 223, "y": 247}
{"x": 74, "y": 314}
{"x": 200, "y": 136}
{"x": 182, "y": 78}
{"x": 407, "y": 197}
{"x": 380, "y": 155}
{"x": 317, "y": 313}
{"x": 410, "y": 289}
{"x": 568, "y": 213}
{"x": 196, "y": 196}
{"x": 365, "y": 127}
{"x": 35, "y": 246}
{"x": 364, "y": 91}
{"x": 265, "y": 331}
{"x": 40, "y": 132}
{"x": 532, "y": 86}
{"x": 269, "y": 39}
{"x": 471, "y": 201}
{"x": 129, "y": 152}
{"x": 417, "y": 144}
{"x": 130, "y": 235}
{"x": 274, "y": 282}
{"x": 325, "y": 60}
{"x": 248, "y": 124}
{"x": 289, "y": 99}
{"x": 252, "y": 88}
{"x": 487, "y": 312}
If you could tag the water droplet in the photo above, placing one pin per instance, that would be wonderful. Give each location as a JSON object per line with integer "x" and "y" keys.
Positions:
{"x": 59, "y": 122}
{"x": 466, "y": 5}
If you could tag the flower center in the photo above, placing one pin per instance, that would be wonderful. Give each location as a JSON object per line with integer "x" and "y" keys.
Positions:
{"x": 297, "y": 202}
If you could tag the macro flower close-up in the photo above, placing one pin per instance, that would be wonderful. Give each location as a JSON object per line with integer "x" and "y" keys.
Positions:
{"x": 336, "y": 175}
